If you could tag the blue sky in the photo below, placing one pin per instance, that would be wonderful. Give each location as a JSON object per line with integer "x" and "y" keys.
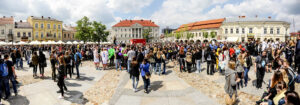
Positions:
{"x": 164, "y": 13}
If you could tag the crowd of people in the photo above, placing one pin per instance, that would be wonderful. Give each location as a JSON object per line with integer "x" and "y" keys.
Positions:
{"x": 234, "y": 60}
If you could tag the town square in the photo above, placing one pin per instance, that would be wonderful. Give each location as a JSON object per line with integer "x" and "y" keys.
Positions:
{"x": 149, "y": 52}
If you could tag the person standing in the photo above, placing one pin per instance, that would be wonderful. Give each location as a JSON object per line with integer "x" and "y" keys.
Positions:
{"x": 35, "y": 62}
{"x": 96, "y": 58}
{"x": 61, "y": 76}
{"x": 53, "y": 62}
{"x": 260, "y": 68}
{"x": 297, "y": 55}
{"x": 131, "y": 55}
{"x": 230, "y": 84}
{"x": 42, "y": 63}
{"x": 11, "y": 75}
{"x": 68, "y": 64}
{"x": 104, "y": 55}
{"x": 144, "y": 68}
{"x": 210, "y": 60}
{"x": 77, "y": 59}
{"x": 198, "y": 58}
{"x": 4, "y": 83}
{"x": 134, "y": 73}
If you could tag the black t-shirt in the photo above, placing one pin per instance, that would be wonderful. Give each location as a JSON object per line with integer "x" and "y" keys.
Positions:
{"x": 9, "y": 66}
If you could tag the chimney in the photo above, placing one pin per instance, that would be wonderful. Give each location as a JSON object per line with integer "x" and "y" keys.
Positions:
{"x": 269, "y": 17}
{"x": 21, "y": 21}
{"x": 243, "y": 16}
{"x": 130, "y": 20}
{"x": 42, "y": 17}
{"x": 141, "y": 19}
{"x": 239, "y": 16}
{"x": 11, "y": 16}
{"x": 3, "y": 16}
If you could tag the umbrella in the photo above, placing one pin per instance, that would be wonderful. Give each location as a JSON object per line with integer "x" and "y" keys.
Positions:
{"x": 81, "y": 42}
{"x": 44, "y": 42}
{"x": 22, "y": 43}
{"x": 2, "y": 43}
{"x": 60, "y": 42}
{"x": 75, "y": 42}
{"x": 35, "y": 43}
{"x": 69, "y": 42}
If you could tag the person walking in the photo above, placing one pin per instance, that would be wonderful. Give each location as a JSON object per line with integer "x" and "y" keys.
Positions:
{"x": 131, "y": 54}
{"x": 230, "y": 84}
{"x": 4, "y": 83}
{"x": 53, "y": 61}
{"x": 61, "y": 76}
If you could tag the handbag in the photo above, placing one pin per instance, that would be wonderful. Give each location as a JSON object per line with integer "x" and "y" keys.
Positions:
{"x": 31, "y": 64}
{"x": 148, "y": 75}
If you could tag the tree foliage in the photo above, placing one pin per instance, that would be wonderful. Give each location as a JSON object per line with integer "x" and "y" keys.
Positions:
{"x": 90, "y": 31}
{"x": 212, "y": 34}
{"x": 177, "y": 35}
{"x": 146, "y": 34}
{"x": 205, "y": 34}
{"x": 189, "y": 35}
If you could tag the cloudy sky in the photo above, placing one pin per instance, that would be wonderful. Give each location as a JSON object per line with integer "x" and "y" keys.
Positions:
{"x": 165, "y": 13}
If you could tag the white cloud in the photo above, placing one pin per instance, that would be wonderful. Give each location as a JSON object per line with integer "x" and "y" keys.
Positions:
{"x": 128, "y": 6}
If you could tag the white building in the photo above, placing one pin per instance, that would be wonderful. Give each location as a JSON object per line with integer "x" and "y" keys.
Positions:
{"x": 134, "y": 29}
{"x": 22, "y": 32}
{"x": 243, "y": 28}
{"x": 236, "y": 29}
{"x": 6, "y": 28}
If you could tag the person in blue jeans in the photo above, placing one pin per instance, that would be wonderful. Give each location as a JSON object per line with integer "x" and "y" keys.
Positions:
{"x": 4, "y": 83}
{"x": 77, "y": 59}
{"x": 198, "y": 57}
{"x": 144, "y": 68}
{"x": 158, "y": 61}
{"x": 11, "y": 76}
{"x": 247, "y": 65}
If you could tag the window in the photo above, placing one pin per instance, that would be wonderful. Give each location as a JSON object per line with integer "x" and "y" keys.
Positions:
{"x": 116, "y": 30}
{"x": 65, "y": 35}
{"x": 125, "y": 30}
{"x": 29, "y": 34}
{"x": 10, "y": 31}
{"x": 2, "y": 31}
{"x": 58, "y": 26}
{"x": 54, "y": 26}
{"x": 121, "y": 35}
{"x": 271, "y": 31}
{"x": 237, "y": 31}
{"x": 250, "y": 30}
{"x": 54, "y": 35}
{"x": 226, "y": 31}
{"x": 58, "y": 34}
{"x": 125, "y": 35}
{"x": 265, "y": 30}
{"x": 73, "y": 36}
{"x": 36, "y": 34}
{"x": 48, "y": 26}
{"x": 24, "y": 34}
{"x": 36, "y": 25}
{"x": 18, "y": 34}
{"x": 243, "y": 30}
{"x": 42, "y": 34}
{"x": 278, "y": 30}
{"x": 42, "y": 25}
{"x": 68, "y": 35}
{"x": 231, "y": 30}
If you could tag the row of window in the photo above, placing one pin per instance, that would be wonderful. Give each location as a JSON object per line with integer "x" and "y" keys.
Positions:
{"x": 65, "y": 36}
{"x": 10, "y": 31}
{"x": 47, "y": 35}
{"x": 133, "y": 35}
{"x": 48, "y": 26}
{"x": 237, "y": 31}
{"x": 133, "y": 29}
{"x": 24, "y": 34}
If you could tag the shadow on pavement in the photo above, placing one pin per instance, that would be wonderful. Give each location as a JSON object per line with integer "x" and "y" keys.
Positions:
{"x": 76, "y": 97}
{"x": 72, "y": 84}
{"x": 18, "y": 100}
{"x": 168, "y": 72}
{"x": 156, "y": 85}
{"x": 86, "y": 78}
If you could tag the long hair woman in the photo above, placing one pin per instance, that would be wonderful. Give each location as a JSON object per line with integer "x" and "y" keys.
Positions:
{"x": 144, "y": 68}
{"x": 61, "y": 75}
{"x": 134, "y": 73}
{"x": 35, "y": 62}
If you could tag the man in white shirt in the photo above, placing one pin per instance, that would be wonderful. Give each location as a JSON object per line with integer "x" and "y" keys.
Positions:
{"x": 130, "y": 54}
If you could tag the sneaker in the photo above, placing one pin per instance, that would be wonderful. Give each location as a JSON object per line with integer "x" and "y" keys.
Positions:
{"x": 16, "y": 94}
{"x": 61, "y": 97}
{"x": 136, "y": 90}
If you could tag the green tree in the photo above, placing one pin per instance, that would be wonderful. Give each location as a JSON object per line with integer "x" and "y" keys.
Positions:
{"x": 189, "y": 35}
{"x": 205, "y": 34}
{"x": 212, "y": 34}
{"x": 177, "y": 35}
{"x": 99, "y": 33}
{"x": 84, "y": 30}
{"x": 146, "y": 34}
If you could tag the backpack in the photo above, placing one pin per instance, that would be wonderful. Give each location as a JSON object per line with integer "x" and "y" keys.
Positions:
{"x": 3, "y": 69}
{"x": 78, "y": 60}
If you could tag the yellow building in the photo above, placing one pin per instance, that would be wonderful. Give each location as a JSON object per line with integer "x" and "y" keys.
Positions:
{"x": 45, "y": 29}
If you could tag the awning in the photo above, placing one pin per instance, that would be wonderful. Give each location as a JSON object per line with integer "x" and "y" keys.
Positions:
{"x": 232, "y": 39}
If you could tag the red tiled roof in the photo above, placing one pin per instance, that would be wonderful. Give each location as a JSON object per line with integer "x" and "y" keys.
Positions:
{"x": 216, "y": 23}
{"x": 128, "y": 23}
{"x": 6, "y": 20}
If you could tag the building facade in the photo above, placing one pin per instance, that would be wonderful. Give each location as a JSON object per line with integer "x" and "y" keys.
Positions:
{"x": 68, "y": 33}
{"x": 7, "y": 29}
{"x": 236, "y": 29}
{"x": 22, "y": 32}
{"x": 45, "y": 28}
{"x": 201, "y": 30}
{"x": 134, "y": 29}
{"x": 242, "y": 28}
